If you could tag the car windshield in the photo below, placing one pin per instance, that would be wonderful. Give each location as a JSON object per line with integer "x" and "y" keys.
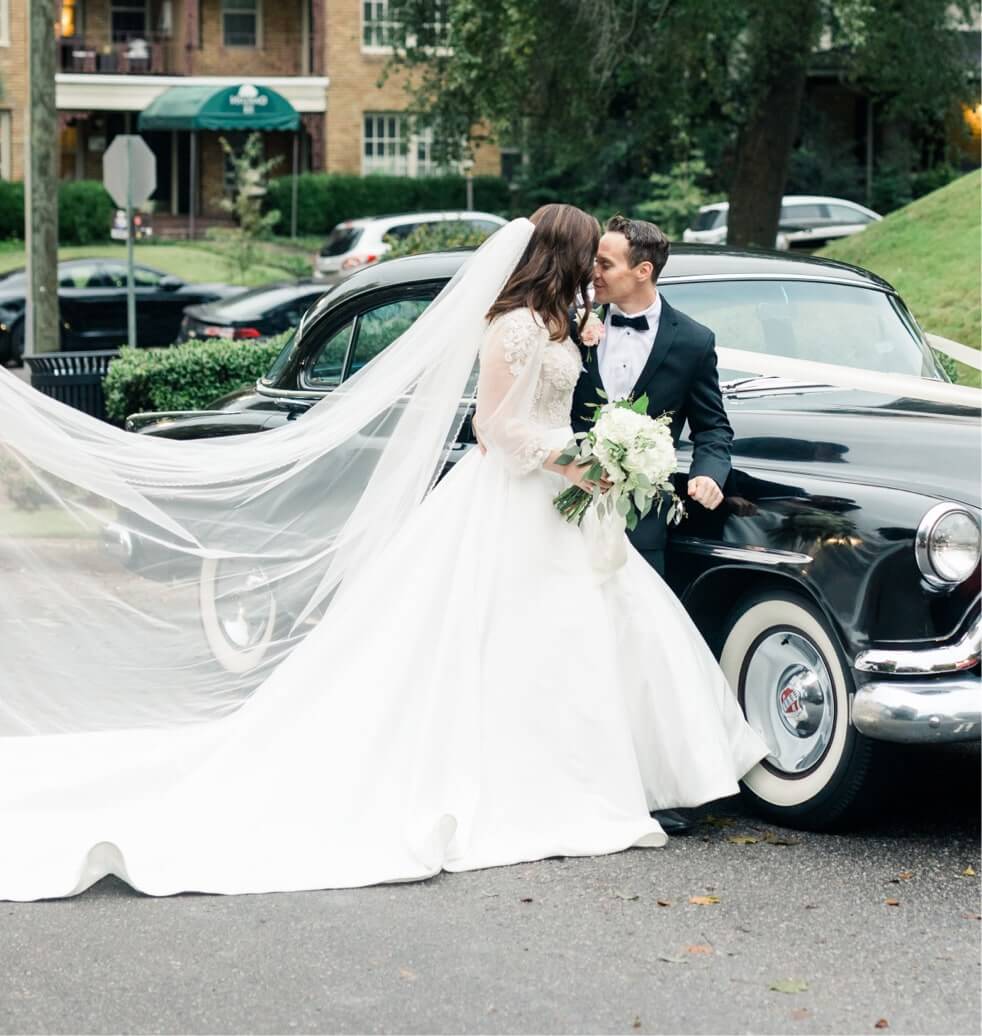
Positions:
{"x": 709, "y": 220}
{"x": 341, "y": 240}
{"x": 808, "y": 320}
{"x": 282, "y": 360}
{"x": 252, "y": 305}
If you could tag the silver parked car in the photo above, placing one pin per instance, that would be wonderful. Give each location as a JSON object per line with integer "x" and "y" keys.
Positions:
{"x": 357, "y": 243}
{"x": 806, "y": 220}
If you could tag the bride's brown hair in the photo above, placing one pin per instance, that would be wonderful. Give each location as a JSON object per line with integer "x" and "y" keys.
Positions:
{"x": 556, "y": 264}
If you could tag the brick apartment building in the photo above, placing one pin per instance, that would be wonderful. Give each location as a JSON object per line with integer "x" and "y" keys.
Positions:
{"x": 116, "y": 56}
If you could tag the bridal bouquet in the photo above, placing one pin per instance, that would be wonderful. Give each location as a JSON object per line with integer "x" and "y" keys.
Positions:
{"x": 632, "y": 451}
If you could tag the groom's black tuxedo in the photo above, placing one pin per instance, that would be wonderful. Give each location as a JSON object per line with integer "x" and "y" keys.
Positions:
{"x": 678, "y": 376}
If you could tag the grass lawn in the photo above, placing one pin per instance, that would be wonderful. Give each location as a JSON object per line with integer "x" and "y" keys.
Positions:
{"x": 930, "y": 252}
{"x": 209, "y": 260}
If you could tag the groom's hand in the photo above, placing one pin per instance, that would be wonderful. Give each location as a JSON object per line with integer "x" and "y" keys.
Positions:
{"x": 704, "y": 491}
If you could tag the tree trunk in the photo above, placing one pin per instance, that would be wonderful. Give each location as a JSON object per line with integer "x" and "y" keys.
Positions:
{"x": 782, "y": 41}
{"x": 41, "y": 222}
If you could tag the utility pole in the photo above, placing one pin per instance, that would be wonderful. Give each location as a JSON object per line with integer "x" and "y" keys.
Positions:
{"x": 41, "y": 196}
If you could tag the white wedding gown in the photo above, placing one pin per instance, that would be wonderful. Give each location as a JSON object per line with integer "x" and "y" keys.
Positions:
{"x": 490, "y": 701}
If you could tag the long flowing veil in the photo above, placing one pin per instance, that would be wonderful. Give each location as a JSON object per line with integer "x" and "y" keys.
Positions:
{"x": 154, "y": 582}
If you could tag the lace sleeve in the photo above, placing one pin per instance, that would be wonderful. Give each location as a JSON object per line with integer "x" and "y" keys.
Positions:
{"x": 511, "y": 359}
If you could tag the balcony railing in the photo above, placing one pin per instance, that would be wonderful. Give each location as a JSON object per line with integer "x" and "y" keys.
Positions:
{"x": 147, "y": 54}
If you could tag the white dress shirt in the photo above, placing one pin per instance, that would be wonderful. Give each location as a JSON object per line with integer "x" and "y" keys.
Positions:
{"x": 623, "y": 352}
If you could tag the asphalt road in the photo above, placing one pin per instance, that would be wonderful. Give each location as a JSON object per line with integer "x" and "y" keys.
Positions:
{"x": 569, "y": 945}
{"x": 608, "y": 944}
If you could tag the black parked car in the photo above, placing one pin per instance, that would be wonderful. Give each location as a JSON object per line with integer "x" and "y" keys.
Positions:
{"x": 258, "y": 313}
{"x": 92, "y": 305}
{"x": 839, "y": 581}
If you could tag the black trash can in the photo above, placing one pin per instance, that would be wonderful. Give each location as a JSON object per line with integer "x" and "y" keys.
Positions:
{"x": 74, "y": 378}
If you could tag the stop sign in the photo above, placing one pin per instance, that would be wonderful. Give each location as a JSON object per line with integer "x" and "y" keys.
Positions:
{"x": 129, "y": 159}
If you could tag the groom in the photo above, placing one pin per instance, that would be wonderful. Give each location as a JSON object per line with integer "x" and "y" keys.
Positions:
{"x": 649, "y": 348}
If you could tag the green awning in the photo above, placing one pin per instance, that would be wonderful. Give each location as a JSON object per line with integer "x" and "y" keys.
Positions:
{"x": 243, "y": 107}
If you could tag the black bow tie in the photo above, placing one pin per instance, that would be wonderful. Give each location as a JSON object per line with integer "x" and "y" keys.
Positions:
{"x": 638, "y": 323}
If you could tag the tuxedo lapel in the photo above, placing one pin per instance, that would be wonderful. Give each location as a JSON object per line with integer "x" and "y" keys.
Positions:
{"x": 591, "y": 361}
{"x": 667, "y": 327}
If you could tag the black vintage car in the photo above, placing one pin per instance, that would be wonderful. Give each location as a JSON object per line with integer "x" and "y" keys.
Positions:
{"x": 839, "y": 581}
{"x": 92, "y": 305}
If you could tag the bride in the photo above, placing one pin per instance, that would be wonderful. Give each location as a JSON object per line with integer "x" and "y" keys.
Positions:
{"x": 447, "y": 684}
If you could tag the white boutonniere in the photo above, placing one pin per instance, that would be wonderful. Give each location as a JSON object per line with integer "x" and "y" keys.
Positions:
{"x": 592, "y": 331}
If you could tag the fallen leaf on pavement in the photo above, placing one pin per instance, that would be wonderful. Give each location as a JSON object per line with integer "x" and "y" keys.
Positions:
{"x": 703, "y": 900}
{"x": 663, "y": 902}
{"x": 625, "y": 895}
{"x": 408, "y": 974}
{"x": 743, "y": 839}
{"x": 773, "y": 838}
{"x": 526, "y": 899}
{"x": 789, "y": 985}
{"x": 905, "y": 875}
{"x": 800, "y": 1013}
{"x": 699, "y": 950}
{"x": 881, "y": 1023}
{"x": 673, "y": 959}
{"x": 968, "y": 872}
{"x": 636, "y": 1024}
{"x": 892, "y": 902}
{"x": 973, "y": 917}
{"x": 719, "y": 821}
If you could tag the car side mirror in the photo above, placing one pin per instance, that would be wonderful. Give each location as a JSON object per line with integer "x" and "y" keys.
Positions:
{"x": 171, "y": 283}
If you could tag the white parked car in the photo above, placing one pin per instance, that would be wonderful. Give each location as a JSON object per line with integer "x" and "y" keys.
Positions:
{"x": 357, "y": 243}
{"x": 805, "y": 220}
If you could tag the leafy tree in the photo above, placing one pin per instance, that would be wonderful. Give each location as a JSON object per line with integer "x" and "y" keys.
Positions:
{"x": 600, "y": 96}
{"x": 250, "y": 178}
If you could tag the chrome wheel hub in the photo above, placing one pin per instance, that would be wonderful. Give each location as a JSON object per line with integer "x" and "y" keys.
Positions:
{"x": 244, "y": 606}
{"x": 789, "y": 697}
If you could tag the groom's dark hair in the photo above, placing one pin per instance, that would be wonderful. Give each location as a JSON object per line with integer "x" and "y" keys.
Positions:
{"x": 645, "y": 242}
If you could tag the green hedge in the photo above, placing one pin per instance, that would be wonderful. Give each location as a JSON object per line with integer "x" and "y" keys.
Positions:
{"x": 185, "y": 377}
{"x": 85, "y": 212}
{"x": 11, "y": 210}
{"x": 325, "y": 199}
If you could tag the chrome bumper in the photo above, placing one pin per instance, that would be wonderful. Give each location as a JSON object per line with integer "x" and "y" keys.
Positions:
{"x": 956, "y": 657}
{"x": 920, "y": 711}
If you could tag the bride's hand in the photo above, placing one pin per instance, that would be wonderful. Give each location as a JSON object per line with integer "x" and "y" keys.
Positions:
{"x": 576, "y": 473}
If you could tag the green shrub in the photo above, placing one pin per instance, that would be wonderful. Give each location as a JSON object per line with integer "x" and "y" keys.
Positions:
{"x": 436, "y": 237}
{"x": 11, "y": 210}
{"x": 325, "y": 199}
{"x": 184, "y": 377}
{"x": 85, "y": 212}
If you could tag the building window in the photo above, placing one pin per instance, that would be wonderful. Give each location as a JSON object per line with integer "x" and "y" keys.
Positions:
{"x": 4, "y": 23}
{"x": 390, "y": 146}
{"x": 384, "y": 148}
{"x": 5, "y": 143}
{"x": 128, "y": 20}
{"x": 70, "y": 22}
{"x": 376, "y": 28}
{"x": 240, "y": 23}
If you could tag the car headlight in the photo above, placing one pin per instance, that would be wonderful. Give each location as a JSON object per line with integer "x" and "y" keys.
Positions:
{"x": 948, "y": 544}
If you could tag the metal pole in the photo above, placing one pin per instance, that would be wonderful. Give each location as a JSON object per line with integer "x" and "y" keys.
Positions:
{"x": 193, "y": 189}
{"x": 869, "y": 151}
{"x": 293, "y": 206}
{"x": 470, "y": 190}
{"x": 42, "y": 332}
{"x": 130, "y": 291}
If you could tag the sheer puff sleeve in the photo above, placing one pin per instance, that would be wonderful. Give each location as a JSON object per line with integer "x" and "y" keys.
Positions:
{"x": 511, "y": 362}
